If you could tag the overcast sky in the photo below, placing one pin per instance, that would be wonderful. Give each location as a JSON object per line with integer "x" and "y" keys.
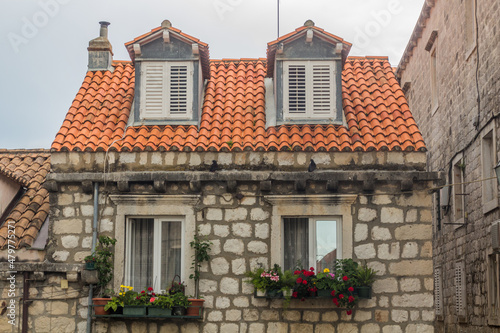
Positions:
{"x": 44, "y": 43}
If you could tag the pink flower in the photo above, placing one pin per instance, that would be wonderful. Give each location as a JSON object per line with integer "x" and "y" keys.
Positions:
{"x": 150, "y": 289}
{"x": 332, "y": 275}
{"x": 351, "y": 289}
{"x": 349, "y": 312}
{"x": 152, "y": 300}
{"x": 345, "y": 278}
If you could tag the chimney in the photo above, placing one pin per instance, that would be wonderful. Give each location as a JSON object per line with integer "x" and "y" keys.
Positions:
{"x": 100, "y": 51}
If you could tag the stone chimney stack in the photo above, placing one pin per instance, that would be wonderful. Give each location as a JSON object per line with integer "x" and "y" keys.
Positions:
{"x": 100, "y": 51}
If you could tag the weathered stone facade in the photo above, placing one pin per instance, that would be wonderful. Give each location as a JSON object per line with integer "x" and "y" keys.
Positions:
{"x": 467, "y": 72}
{"x": 382, "y": 197}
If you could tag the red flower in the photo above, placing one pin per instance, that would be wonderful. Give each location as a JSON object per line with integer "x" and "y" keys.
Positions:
{"x": 345, "y": 278}
{"x": 299, "y": 280}
{"x": 296, "y": 273}
{"x": 336, "y": 301}
{"x": 349, "y": 312}
{"x": 152, "y": 300}
{"x": 303, "y": 271}
{"x": 341, "y": 296}
{"x": 333, "y": 292}
{"x": 150, "y": 289}
{"x": 304, "y": 282}
{"x": 137, "y": 297}
{"x": 351, "y": 289}
{"x": 351, "y": 299}
{"x": 309, "y": 274}
{"x": 153, "y": 294}
{"x": 142, "y": 292}
{"x": 295, "y": 294}
{"x": 311, "y": 269}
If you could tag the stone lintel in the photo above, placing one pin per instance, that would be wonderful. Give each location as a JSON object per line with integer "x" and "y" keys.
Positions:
{"x": 42, "y": 267}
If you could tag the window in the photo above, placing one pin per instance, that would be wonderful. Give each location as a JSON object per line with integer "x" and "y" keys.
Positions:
{"x": 311, "y": 242}
{"x": 438, "y": 291}
{"x": 493, "y": 289}
{"x": 460, "y": 295}
{"x": 154, "y": 252}
{"x": 458, "y": 190}
{"x": 488, "y": 162}
{"x": 309, "y": 90}
{"x": 434, "y": 80}
{"x": 470, "y": 26}
{"x": 166, "y": 90}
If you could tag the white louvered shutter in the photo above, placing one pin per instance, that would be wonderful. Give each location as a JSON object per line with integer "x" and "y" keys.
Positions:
{"x": 460, "y": 288}
{"x": 438, "y": 287}
{"x": 153, "y": 94}
{"x": 322, "y": 90}
{"x": 297, "y": 89}
{"x": 178, "y": 90}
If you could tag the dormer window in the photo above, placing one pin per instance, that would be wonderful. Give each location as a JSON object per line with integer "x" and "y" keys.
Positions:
{"x": 166, "y": 90}
{"x": 308, "y": 90}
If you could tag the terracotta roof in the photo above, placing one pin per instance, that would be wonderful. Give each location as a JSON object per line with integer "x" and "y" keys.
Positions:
{"x": 29, "y": 168}
{"x": 233, "y": 116}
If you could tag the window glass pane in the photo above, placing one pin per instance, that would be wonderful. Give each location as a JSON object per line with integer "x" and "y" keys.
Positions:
{"x": 141, "y": 250}
{"x": 170, "y": 252}
{"x": 326, "y": 244}
{"x": 296, "y": 242}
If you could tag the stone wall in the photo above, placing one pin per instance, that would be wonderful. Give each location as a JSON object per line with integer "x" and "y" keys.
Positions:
{"x": 453, "y": 129}
{"x": 391, "y": 229}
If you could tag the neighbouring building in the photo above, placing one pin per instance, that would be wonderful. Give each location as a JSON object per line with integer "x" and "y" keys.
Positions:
{"x": 173, "y": 143}
{"x": 450, "y": 73}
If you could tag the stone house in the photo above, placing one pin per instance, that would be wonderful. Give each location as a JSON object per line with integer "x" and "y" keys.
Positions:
{"x": 173, "y": 143}
{"x": 450, "y": 73}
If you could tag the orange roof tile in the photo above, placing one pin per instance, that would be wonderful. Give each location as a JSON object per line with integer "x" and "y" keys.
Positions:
{"x": 29, "y": 168}
{"x": 233, "y": 114}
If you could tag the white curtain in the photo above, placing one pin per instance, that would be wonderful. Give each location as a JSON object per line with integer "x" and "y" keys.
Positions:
{"x": 141, "y": 261}
{"x": 296, "y": 242}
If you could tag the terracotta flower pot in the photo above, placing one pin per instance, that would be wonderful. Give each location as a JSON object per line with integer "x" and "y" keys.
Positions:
{"x": 195, "y": 308}
{"x": 99, "y": 304}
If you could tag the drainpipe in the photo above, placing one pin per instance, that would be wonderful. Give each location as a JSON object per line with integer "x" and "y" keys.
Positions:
{"x": 26, "y": 296}
{"x": 94, "y": 242}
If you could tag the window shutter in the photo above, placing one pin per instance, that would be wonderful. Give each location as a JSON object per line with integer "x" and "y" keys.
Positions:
{"x": 460, "y": 288}
{"x": 178, "y": 90}
{"x": 297, "y": 89}
{"x": 153, "y": 92}
{"x": 322, "y": 85}
{"x": 438, "y": 286}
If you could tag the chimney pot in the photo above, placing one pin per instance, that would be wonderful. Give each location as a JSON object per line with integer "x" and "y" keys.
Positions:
{"x": 101, "y": 51}
{"x": 104, "y": 29}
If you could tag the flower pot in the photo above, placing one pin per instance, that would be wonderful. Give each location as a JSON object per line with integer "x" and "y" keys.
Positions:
{"x": 134, "y": 310}
{"x": 99, "y": 304}
{"x": 195, "y": 308}
{"x": 364, "y": 292}
{"x": 325, "y": 293}
{"x": 154, "y": 311}
{"x": 287, "y": 292}
{"x": 179, "y": 311}
{"x": 260, "y": 293}
{"x": 90, "y": 265}
{"x": 274, "y": 293}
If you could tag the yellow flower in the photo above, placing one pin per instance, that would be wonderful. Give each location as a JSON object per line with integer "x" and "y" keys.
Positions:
{"x": 326, "y": 270}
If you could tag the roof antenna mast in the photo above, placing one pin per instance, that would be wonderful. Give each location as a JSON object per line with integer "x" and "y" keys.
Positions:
{"x": 278, "y": 18}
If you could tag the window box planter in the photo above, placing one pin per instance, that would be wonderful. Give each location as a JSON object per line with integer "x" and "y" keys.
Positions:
{"x": 90, "y": 265}
{"x": 178, "y": 311}
{"x": 325, "y": 293}
{"x": 195, "y": 308}
{"x": 274, "y": 293}
{"x": 364, "y": 292}
{"x": 159, "y": 312}
{"x": 134, "y": 310}
{"x": 99, "y": 304}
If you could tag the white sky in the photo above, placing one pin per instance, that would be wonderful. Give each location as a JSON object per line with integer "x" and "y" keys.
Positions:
{"x": 44, "y": 43}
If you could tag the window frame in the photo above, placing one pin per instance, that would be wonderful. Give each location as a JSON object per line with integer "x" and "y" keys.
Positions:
{"x": 493, "y": 276}
{"x": 166, "y": 93}
{"x": 309, "y": 112}
{"x": 460, "y": 291}
{"x": 488, "y": 163}
{"x": 158, "y": 220}
{"x": 458, "y": 190}
{"x": 312, "y": 237}
{"x": 434, "y": 78}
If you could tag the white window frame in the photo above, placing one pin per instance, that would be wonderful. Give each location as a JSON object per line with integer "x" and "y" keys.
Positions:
{"x": 458, "y": 203}
{"x": 488, "y": 163}
{"x": 312, "y": 236}
{"x": 493, "y": 280}
{"x": 309, "y": 112}
{"x": 178, "y": 206}
{"x": 311, "y": 206}
{"x": 156, "y": 247}
{"x": 164, "y": 90}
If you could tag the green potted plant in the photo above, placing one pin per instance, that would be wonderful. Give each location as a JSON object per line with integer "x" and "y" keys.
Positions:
{"x": 287, "y": 283}
{"x": 325, "y": 282}
{"x": 180, "y": 303}
{"x": 364, "y": 278}
{"x": 161, "y": 306}
{"x": 343, "y": 294}
{"x": 259, "y": 283}
{"x": 304, "y": 283}
{"x": 133, "y": 303}
{"x": 103, "y": 258}
{"x": 201, "y": 254}
{"x": 90, "y": 261}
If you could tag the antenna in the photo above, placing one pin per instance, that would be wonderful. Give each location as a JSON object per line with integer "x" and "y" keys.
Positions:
{"x": 278, "y": 18}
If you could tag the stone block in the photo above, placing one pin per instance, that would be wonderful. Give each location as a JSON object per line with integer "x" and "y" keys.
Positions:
{"x": 414, "y": 232}
{"x": 278, "y": 327}
{"x": 370, "y": 328}
{"x": 60, "y": 256}
{"x": 291, "y": 315}
{"x": 268, "y": 315}
{"x": 392, "y": 329}
{"x": 241, "y": 302}
{"x": 391, "y": 215}
{"x": 228, "y": 328}
{"x": 360, "y": 232}
{"x": 365, "y": 251}
{"x": 361, "y": 316}
{"x": 70, "y": 242}
{"x": 208, "y": 286}
{"x": 222, "y": 302}
{"x": 215, "y": 316}
{"x": 73, "y": 226}
{"x": 381, "y": 316}
{"x": 411, "y": 267}
{"x": 250, "y": 314}
{"x": 219, "y": 266}
{"x": 210, "y": 328}
{"x": 399, "y": 316}
{"x": 229, "y": 286}
{"x": 238, "y": 266}
{"x": 424, "y": 300}
{"x": 236, "y": 214}
{"x": 367, "y": 214}
{"x": 410, "y": 285}
{"x": 214, "y": 214}
{"x": 324, "y": 328}
{"x": 256, "y": 328}
{"x": 388, "y": 285}
{"x": 164, "y": 328}
{"x": 257, "y": 247}
{"x": 419, "y": 328}
{"x": 235, "y": 246}
{"x": 310, "y": 316}
{"x": 258, "y": 214}
{"x": 262, "y": 230}
{"x": 221, "y": 230}
{"x": 330, "y": 316}
{"x": 347, "y": 328}
{"x": 388, "y": 251}
{"x": 242, "y": 229}
{"x": 410, "y": 250}
{"x": 301, "y": 328}
{"x": 379, "y": 233}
